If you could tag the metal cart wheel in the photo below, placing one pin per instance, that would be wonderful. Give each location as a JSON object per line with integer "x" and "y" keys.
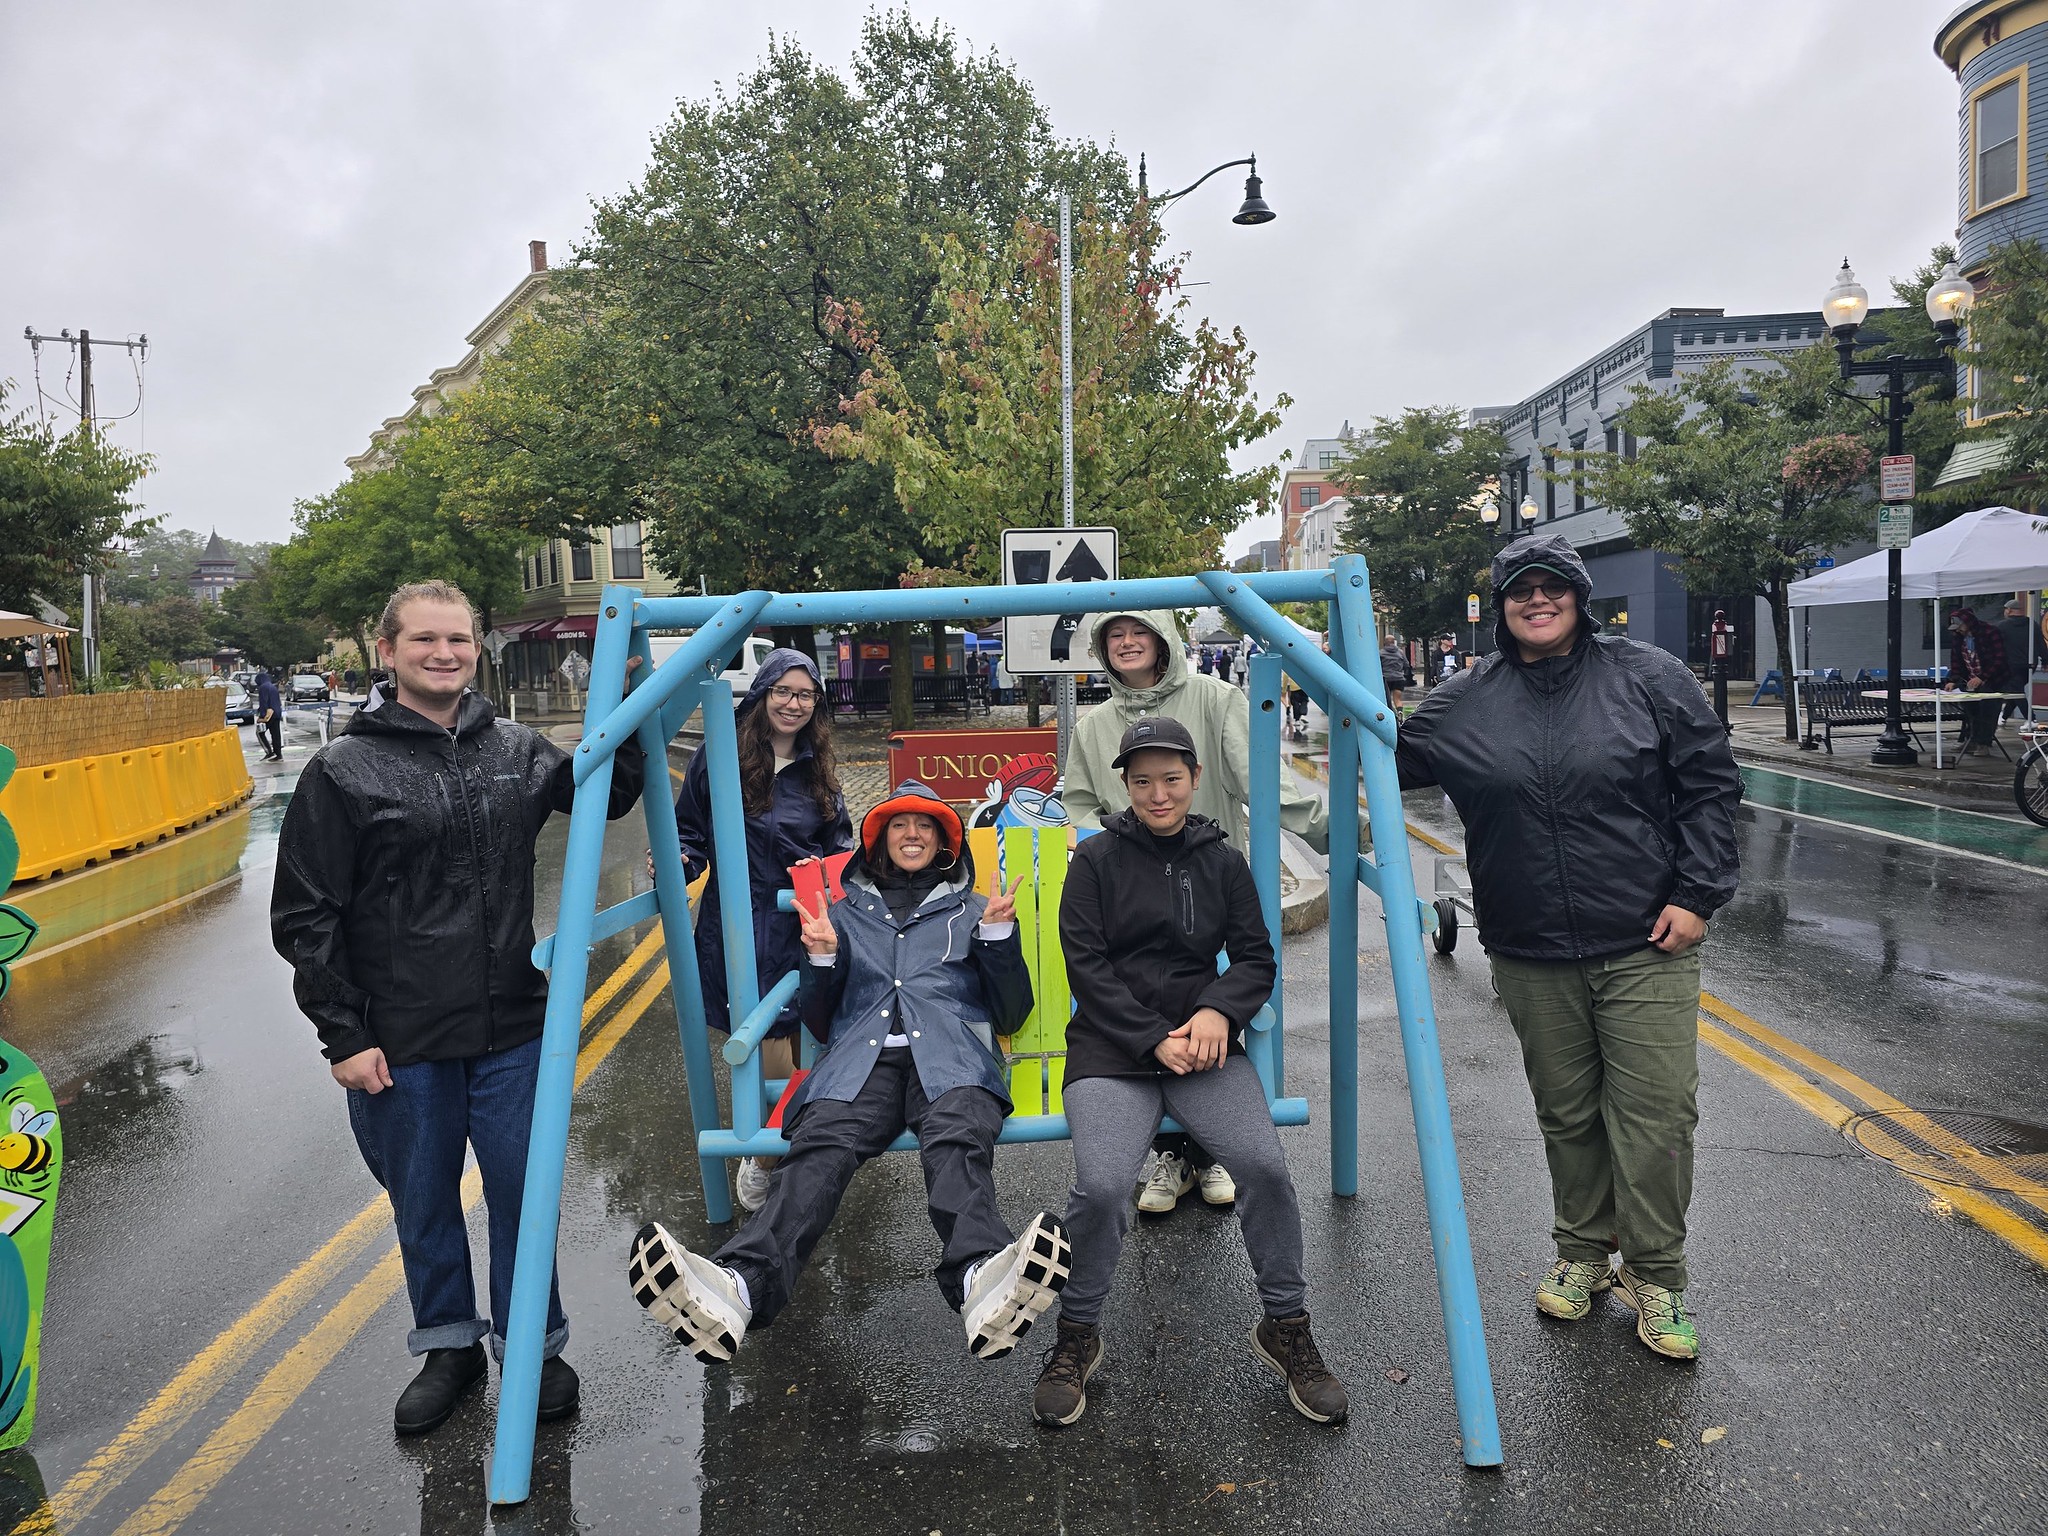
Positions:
{"x": 1446, "y": 936}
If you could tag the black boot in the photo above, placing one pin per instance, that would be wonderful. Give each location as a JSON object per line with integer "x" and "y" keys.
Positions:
{"x": 559, "y": 1390}
{"x": 439, "y": 1386}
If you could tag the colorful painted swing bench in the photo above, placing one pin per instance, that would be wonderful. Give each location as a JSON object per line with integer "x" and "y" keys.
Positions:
{"x": 1345, "y": 682}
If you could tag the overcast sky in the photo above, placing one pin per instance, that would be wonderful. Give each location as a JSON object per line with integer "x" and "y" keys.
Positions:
{"x": 306, "y": 208}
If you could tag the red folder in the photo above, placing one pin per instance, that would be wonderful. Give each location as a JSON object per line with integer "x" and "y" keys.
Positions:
{"x": 812, "y": 879}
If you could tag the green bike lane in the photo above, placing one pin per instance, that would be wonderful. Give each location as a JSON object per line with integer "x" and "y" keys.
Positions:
{"x": 1976, "y": 834}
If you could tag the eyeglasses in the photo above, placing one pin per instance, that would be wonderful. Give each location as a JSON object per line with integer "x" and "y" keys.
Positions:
{"x": 1551, "y": 591}
{"x": 804, "y": 696}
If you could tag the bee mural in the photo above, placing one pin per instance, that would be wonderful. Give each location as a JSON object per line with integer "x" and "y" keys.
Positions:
{"x": 25, "y": 1155}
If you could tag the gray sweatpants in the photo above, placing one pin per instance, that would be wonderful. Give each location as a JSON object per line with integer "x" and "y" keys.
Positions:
{"x": 1112, "y": 1120}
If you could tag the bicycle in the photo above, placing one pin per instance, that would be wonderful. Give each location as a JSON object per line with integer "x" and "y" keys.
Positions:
{"x": 2030, "y": 780}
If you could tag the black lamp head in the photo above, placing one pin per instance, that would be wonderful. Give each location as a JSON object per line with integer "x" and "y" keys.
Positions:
{"x": 1253, "y": 210}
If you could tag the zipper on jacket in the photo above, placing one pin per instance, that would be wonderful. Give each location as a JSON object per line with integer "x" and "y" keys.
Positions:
{"x": 483, "y": 902}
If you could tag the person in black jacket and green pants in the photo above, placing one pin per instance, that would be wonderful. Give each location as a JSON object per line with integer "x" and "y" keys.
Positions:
{"x": 1148, "y": 905}
{"x": 404, "y": 903}
{"x": 1598, "y": 795}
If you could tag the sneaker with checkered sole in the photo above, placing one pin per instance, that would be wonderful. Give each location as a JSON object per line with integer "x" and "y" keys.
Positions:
{"x": 693, "y": 1298}
{"x": 1014, "y": 1286}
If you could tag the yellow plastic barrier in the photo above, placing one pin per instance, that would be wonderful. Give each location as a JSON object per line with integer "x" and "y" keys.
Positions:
{"x": 124, "y": 801}
{"x": 50, "y": 808}
{"x": 185, "y": 776}
{"x": 83, "y": 810}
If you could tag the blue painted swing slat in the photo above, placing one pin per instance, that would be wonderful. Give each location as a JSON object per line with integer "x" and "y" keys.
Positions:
{"x": 1346, "y": 683}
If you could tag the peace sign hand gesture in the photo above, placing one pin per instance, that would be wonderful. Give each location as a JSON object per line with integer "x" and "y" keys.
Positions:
{"x": 820, "y": 937}
{"x": 1002, "y": 906}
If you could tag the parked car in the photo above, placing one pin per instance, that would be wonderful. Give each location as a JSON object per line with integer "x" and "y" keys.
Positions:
{"x": 241, "y": 705}
{"x": 306, "y": 688}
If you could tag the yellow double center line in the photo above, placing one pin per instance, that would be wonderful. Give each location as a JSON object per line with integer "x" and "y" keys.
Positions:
{"x": 1745, "y": 1041}
{"x": 201, "y": 1380}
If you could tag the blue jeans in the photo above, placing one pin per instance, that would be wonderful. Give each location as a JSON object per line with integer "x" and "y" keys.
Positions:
{"x": 412, "y": 1135}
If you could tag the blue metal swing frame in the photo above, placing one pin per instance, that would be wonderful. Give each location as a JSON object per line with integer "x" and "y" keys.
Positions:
{"x": 1346, "y": 683}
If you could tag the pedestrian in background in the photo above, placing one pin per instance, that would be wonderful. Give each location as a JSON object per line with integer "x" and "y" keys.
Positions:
{"x": 404, "y": 902}
{"x": 789, "y": 782}
{"x": 269, "y": 717}
{"x": 2017, "y": 634}
{"x": 1395, "y": 673}
{"x": 1598, "y": 795}
{"x": 1976, "y": 664}
{"x": 1148, "y": 676}
{"x": 1446, "y": 663}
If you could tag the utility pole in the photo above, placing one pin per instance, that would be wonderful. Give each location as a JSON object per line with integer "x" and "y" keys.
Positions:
{"x": 88, "y": 625}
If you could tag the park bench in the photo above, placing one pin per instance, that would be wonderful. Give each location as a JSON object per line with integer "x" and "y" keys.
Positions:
{"x": 950, "y": 693}
{"x": 1833, "y": 704}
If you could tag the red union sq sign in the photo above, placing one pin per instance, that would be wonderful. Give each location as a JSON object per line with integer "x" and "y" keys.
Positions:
{"x": 960, "y": 765}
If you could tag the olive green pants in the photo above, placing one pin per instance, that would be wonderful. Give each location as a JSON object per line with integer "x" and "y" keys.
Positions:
{"x": 1612, "y": 1052}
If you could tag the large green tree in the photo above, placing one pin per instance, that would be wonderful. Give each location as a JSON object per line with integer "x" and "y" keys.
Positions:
{"x": 65, "y": 501}
{"x": 1416, "y": 482}
{"x": 377, "y": 531}
{"x": 1157, "y": 409}
{"x": 1745, "y": 478}
{"x": 274, "y": 634}
{"x": 697, "y": 342}
{"x": 2006, "y": 355}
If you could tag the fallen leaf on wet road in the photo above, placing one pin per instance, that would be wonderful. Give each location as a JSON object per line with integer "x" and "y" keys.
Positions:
{"x": 1663, "y": 1442}
{"x": 1709, "y": 1436}
{"x": 1396, "y": 1375}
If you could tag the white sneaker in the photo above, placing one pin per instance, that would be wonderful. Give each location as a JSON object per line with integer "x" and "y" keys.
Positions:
{"x": 1013, "y": 1287}
{"x": 1171, "y": 1178}
{"x": 752, "y": 1185}
{"x": 1218, "y": 1187}
{"x": 694, "y": 1299}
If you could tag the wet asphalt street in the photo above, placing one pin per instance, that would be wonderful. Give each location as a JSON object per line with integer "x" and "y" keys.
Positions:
{"x": 225, "y": 1333}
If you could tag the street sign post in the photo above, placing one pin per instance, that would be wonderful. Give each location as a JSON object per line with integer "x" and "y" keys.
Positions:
{"x": 1824, "y": 563}
{"x": 1895, "y": 527}
{"x": 1895, "y": 477}
{"x": 1056, "y": 643}
{"x": 1471, "y": 607}
{"x": 495, "y": 642}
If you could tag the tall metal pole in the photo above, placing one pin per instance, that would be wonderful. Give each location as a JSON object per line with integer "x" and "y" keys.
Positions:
{"x": 88, "y": 629}
{"x": 1064, "y": 708}
{"x": 1894, "y": 748}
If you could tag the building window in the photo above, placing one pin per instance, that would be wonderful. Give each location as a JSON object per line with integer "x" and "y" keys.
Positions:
{"x": 1549, "y": 485}
{"x": 1326, "y": 461}
{"x": 1614, "y": 439}
{"x": 627, "y": 562}
{"x": 1310, "y": 495}
{"x": 1998, "y": 141}
{"x": 526, "y": 573}
{"x": 579, "y": 562}
{"x": 554, "y": 564}
{"x": 1628, "y": 446}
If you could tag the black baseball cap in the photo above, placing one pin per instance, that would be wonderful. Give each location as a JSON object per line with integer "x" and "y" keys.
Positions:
{"x": 1157, "y": 732}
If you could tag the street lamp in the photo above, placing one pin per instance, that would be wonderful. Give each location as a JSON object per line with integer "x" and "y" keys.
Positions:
{"x": 1528, "y": 509}
{"x": 1844, "y": 307}
{"x": 1253, "y": 210}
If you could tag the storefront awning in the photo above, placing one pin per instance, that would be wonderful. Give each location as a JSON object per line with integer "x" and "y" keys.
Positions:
{"x": 523, "y": 629}
{"x": 576, "y": 626}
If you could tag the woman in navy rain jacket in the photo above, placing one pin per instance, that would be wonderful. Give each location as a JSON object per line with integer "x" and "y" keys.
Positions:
{"x": 794, "y": 812}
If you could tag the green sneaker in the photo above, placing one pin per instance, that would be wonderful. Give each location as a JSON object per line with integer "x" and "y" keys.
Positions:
{"x": 1661, "y": 1320}
{"x": 1568, "y": 1290}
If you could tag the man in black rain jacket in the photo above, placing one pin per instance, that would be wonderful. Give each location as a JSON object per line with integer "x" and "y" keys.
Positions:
{"x": 404, "y": 902}
{"x": 1598, "y": 795}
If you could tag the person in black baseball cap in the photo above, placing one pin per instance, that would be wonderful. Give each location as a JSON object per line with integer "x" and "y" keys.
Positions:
{"x": 1158, "y": 1030}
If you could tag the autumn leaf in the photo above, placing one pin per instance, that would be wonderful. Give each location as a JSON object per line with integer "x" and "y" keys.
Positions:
{"x": 1709, "y": 1436}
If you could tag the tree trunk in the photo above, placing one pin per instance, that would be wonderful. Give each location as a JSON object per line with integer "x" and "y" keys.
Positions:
{"x": 796, "y": 637}
{"x": 1031, "y": 701}
{"x": 938, "y": 647}
{"x": 901, "y": 710}
{"x": 1781, "y": 628}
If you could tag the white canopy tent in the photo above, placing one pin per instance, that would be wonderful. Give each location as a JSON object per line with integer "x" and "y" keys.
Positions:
{"x": 1995, "y": 549}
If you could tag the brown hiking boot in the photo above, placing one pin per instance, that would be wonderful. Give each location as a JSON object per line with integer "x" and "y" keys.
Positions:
{"x": 1285, "y": 1344}
{"x": 1061, "y": 1395}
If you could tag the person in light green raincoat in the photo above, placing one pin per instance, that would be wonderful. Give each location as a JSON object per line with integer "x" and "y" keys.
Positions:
{"x": 1148, "y": 675}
